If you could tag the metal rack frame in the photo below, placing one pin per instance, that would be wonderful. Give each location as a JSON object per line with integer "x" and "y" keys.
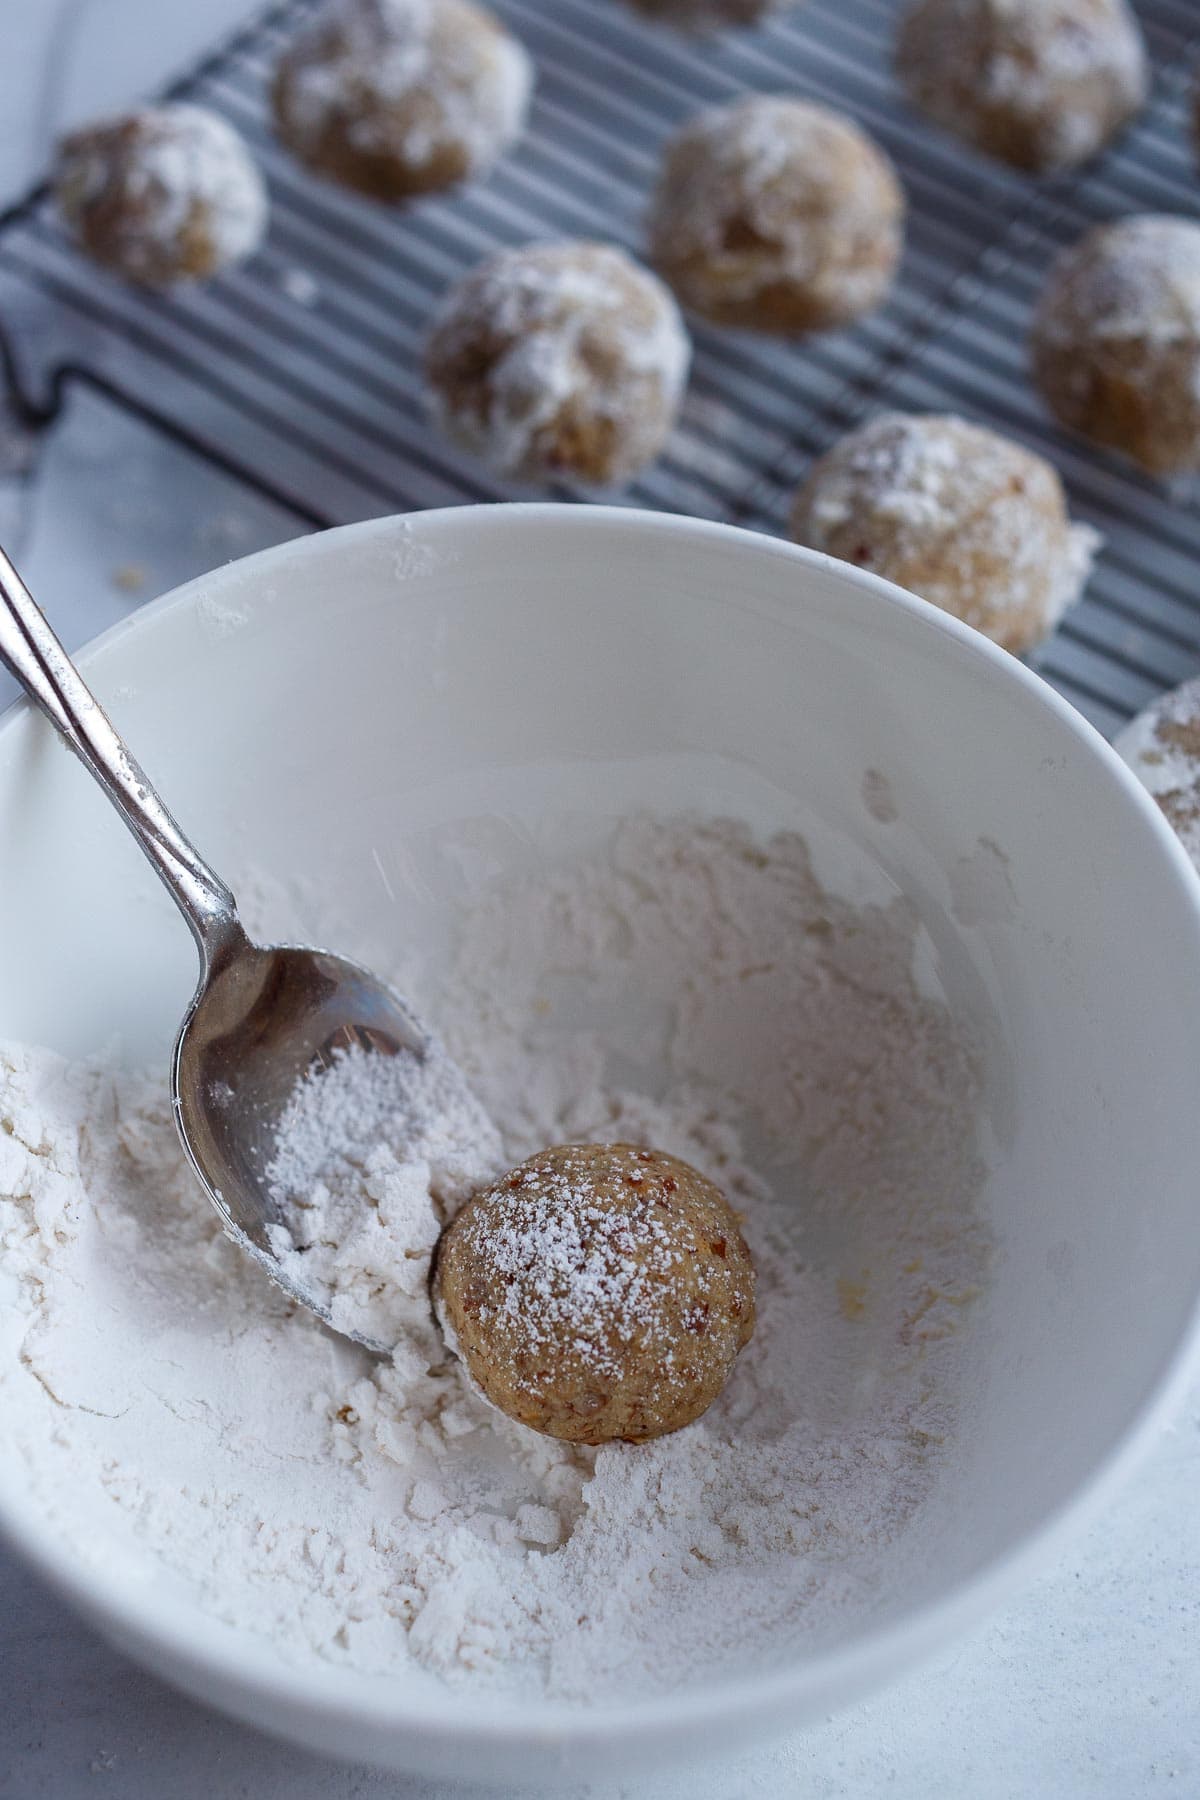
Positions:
{"x": 300, "y": 373}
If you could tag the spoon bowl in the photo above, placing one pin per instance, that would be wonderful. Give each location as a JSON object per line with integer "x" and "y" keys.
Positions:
{"x": 262, "y": 1018}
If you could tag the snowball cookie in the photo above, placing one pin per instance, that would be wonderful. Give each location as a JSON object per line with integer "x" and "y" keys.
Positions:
{"x": 169, "y": 193}
{"x": 1041, "y": 84}
{"x": 400, "y": 97}
{"x": 777, "y": 215}
{"x": 1162, "y": 747}
{"x": 559, "y": 359}
{"x": 954, "y": 513}
{"x": 711, "y": 15}
{"x": 1116, "y": 340}
{"x": 597, "y": 1292}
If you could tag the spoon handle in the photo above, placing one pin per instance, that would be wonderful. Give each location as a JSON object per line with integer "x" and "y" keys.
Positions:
{"x": 33, "y": 653}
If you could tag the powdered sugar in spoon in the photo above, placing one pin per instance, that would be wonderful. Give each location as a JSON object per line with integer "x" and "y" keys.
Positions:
{"x": 262, "y": 1016}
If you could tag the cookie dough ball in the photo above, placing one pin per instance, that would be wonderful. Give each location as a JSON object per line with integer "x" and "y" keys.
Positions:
{"x": 1162, "y": 747}
{"x": 778, "y": 216}
{"x": 401, "y": 97}
{"x": 559, "y": 359}
{"x": 598, "y": 1292}
{"x": 711, "y": 15}
{"x": 166, "y": 194}
{"x": 964, "y": 518}
{"x": 1040, "y": 84}
{"x": 1116, "y": 340}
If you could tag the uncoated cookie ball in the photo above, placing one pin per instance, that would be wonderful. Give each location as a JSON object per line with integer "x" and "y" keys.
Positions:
{"x": 598, "y": 1292}
{"x": 165, "y": 194}
{"x": 776, "y": 215}
{"x": 1162, "y": 747}
{"x": 559, "y": 360}
{"x": 401, "y": 97}
{"x": 1116, "y": 340}
{"x": 968, "y": 520}
{"x": 1040, "y": 84}
{"x": 711, "y": 15}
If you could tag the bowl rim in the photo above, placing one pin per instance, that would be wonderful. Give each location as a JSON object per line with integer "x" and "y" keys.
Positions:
{"x": 217, "y": 1656}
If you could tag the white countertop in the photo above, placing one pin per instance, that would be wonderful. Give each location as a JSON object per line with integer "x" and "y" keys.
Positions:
{"x": 1088, "y": 1686}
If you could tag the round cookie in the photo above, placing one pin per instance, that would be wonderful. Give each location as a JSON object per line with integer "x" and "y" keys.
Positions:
{"x": 598, "y": 1292}
{"x": 1116, "y": 340}
{"x": 1162, "y": 747}
{"x": 401, "y": 97}
{"x": 1040, "y": 84}
{"x": 559, "y": 360}
{"x": 711, "y": 15}
{"x": 776, "y": 215}
{"x": 165, "y": 194}
{"x": 955, "y": 513}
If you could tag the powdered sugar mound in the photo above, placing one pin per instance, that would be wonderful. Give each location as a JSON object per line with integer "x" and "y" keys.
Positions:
{"x": 372, "y": 1157}
{"x": 689, "y": 986}
{"x": 1162, "y": 747}
{"x": 143, "y": 191}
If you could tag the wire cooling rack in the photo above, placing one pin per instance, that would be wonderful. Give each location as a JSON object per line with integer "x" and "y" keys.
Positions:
{"x": 301, "y": 371}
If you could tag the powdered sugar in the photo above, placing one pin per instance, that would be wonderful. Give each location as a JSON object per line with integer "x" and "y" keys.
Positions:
{"x": 1162, "y": 747}
{"x": 373, "y": 1156}
{"x": 689, "y": 987}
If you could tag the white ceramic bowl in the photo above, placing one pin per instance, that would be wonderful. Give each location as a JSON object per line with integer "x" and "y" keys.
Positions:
{"x": 356, "y": 689}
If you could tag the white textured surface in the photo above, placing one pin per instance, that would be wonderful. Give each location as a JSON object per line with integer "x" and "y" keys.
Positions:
{"x": 1088, "y": 1688}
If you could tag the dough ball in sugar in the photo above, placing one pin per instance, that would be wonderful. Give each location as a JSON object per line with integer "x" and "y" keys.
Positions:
{"x": 711, "y": 15}
{"x": 1116, "y": 340}
{"x": 559, "y": 360}
{"x": 598, "y": 1292}
{"x": 1041, "y": 84}
{"x": 1162, "y": 747}
{"x": 955, "y": 513}
{"x": 776, "y": 215}
{"x": 166, "y": 194}
{"x": 401, "y": 97}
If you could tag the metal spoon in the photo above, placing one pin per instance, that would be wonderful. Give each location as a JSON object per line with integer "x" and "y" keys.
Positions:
{"x": 261, "y": 1016}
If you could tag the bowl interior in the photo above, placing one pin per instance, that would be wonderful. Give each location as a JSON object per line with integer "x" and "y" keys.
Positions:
{"x": 420, "y": 705}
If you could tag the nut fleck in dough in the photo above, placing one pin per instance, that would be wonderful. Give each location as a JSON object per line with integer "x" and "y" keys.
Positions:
{"x": 559, "y": 359}
{"x": 598, "y": 1292}
{"x": 957, "y": 514}
{"x": 1162, "y": 747}
{"x": 165, "y": 194}
{"x": 401, "y": 97}
{"x": 711, "y": 15}
{"x": 1116, "y": 340}
{"x": 777, "y": 215}
{"x": 1040, "y": 84}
